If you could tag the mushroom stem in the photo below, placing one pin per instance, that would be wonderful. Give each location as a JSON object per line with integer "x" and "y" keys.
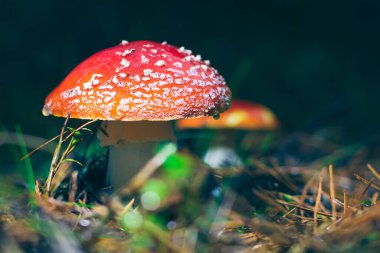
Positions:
{"x": 221, "y": 157}
{"x": 131, "y": 146}
{"x": 126, "y": 159}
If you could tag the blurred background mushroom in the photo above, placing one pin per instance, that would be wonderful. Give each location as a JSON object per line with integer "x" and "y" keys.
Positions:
{"x": 245, "y": 127}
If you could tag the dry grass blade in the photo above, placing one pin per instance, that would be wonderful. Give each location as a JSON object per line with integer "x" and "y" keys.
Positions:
{"x": 223, "y": 213}
{"x": 63, "y": 172}
{"x": 53, "y": 165}
{"x": 306, "y": 187}
{"x": 355, "y": 228}
{"x": 290, "y": 211}
{"x": 375, "y": 197}
{"x": 149, "y": 168}
{"x": 344, "y": 204}
{"x": 41, "y": 146}
{"x": 332, "y": 192}
{"x": 58, "y": 158}
{"x": 270, "y": 200}
{"x": 37, "y": 190}
{"x": 374, "y": 172}
{"x": 317, "y": 203}
{"x": 275, "y": 173}
{"x": 74, "y": 186}
{"x": 365, "y": 189}
{"x": 365, "y": 181}
{"x": 128, "y": 206}
{"x": 163, "y": 236}
{"x": 277, "y": 233}
{"x": 305, "y": 208}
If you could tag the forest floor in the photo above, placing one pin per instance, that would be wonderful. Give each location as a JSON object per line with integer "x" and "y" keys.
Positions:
{"x": 298, "y": 192}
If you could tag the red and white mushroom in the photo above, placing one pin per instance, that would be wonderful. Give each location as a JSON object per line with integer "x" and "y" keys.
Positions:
{"x": 242, "y": 115}
{"x": 138, "y": 87}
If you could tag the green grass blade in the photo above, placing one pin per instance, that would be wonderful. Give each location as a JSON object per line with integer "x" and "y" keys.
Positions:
{"x": 27, "y": 170}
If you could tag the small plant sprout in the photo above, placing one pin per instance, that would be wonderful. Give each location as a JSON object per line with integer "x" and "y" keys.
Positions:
{"x": 137, "y": 88}
{"x": 68, "y": 140}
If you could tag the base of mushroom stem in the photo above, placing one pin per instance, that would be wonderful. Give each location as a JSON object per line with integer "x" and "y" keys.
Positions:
{"x": 221, "y": 157}
{"x": 126, "y": 160}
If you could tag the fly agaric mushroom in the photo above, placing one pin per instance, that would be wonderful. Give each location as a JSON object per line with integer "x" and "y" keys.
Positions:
{"x": 137, "y": 88}
{"x": 242, "y": 115}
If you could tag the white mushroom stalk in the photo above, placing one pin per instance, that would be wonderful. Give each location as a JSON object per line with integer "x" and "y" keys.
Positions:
{"x": 131, "y": 146}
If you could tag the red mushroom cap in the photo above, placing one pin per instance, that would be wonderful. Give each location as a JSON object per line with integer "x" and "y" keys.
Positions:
{"x": 242, "y": 115}
{"x": 140, "y": 80}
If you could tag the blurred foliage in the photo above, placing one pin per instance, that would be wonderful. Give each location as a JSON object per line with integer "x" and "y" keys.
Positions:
{"x": 186, "y": 206}
{"x": 312, "y": 62}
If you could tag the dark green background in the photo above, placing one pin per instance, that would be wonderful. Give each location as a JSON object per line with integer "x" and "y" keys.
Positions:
{"x": 312, "y": 62}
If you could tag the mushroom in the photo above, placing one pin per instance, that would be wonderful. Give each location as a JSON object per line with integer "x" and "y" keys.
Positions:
{"x": 242, "y": 115}
{"x": 137, "y": 88}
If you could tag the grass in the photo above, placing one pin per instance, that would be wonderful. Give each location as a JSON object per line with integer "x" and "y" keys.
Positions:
{"x": 27, "y": 166}
{"x": 284, "y": 199}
